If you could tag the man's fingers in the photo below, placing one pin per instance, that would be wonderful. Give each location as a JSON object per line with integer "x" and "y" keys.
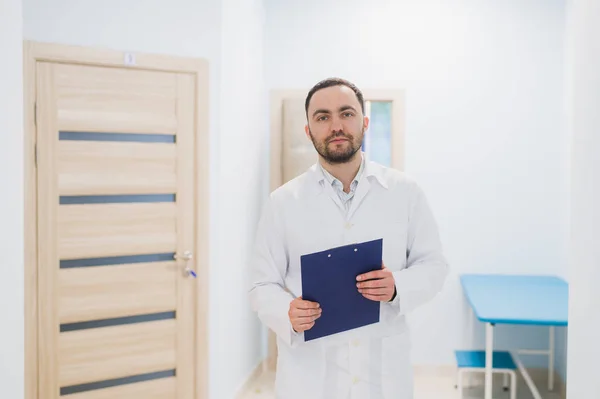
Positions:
{"x": 304, "y": 327}
{"x": 371, "y": 293}
{"x": 307, "y": 305}
{"x": 305, "y": 313}
{"x": 374, "y": 283}
{"x": 374, "y": 291}
{"x": 305, "y": 319}
{"x": 302, "y": 304}
{"x": 371, "y": 275}
{"x": 378, "y": 298}
{"x": 303, "y": 323}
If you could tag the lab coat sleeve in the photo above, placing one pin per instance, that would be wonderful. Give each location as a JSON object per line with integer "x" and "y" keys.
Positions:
{"x": 268, "y": 266}
{"x": 426, "y": 267}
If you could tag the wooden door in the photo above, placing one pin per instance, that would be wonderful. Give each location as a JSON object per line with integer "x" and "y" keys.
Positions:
{"x": 116, "y": 233}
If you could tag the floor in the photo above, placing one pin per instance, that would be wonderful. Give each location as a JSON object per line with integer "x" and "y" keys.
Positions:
{"x": 427, "y": 386}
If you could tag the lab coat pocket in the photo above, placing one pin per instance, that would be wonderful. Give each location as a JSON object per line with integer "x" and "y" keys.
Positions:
{"x": 397, "y": 376}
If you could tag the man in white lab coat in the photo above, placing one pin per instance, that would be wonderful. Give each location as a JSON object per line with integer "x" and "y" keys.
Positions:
{"x": 344, "y": 199}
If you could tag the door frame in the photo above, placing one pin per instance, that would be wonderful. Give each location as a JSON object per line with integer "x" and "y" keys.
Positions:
{"x": 395, "y": 96}
{"x": 34, "y": 52}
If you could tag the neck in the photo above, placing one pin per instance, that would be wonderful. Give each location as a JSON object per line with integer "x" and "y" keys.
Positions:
{"x": 344, "y": 172}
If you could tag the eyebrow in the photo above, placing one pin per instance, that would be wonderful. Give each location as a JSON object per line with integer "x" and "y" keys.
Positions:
{"x": 341, "y": 109}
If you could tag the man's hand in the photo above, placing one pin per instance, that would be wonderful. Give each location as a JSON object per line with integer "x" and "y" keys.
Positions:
{"x": 303, "y": 314}
{"x": 378, "y": 285}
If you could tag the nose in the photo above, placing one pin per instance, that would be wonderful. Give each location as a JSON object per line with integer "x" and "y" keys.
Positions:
{"x": 336, "y": 125}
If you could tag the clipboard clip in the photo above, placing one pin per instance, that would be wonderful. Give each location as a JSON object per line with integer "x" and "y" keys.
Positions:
{"x": 355, "y": 250}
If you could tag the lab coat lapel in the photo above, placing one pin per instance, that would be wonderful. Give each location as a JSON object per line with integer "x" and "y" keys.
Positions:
{"x": 361, "y": 192}
{"x": 371, "y": 170}
{"x": 318, "y": 185}
{"x": 334, "y": 197}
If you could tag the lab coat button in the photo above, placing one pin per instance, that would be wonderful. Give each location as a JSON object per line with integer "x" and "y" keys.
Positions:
{"x": 355, "y": 380}
{"x": 355, "y": 342}
{"x": 348, "y": 226}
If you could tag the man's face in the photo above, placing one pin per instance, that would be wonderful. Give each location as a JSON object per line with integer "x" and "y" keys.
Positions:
{"x": 336, "y": 124}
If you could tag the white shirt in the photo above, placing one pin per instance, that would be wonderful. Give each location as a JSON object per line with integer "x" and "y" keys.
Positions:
{"x": 338, "y": 186}
{"x": 303, "y": 216}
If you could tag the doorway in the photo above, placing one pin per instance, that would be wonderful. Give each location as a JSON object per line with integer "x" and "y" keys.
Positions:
{"x": 116, "y": 224}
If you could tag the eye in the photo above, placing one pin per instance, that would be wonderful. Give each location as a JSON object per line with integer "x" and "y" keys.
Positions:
{"x": 322, "y": 118}
{"x": 348, "y": 114}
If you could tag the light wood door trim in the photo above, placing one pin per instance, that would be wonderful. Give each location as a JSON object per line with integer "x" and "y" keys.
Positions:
{"x": 47, "y": 183}
{"x": 185, "y": 148}
{"x": 197, "y": 72}
{"x": 84, "y": 55}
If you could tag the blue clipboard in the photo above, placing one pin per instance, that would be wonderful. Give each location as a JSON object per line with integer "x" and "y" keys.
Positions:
{"x": 329, "y": 278}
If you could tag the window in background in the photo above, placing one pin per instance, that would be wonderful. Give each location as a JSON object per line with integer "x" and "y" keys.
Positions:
{"x": 378, "y": 138}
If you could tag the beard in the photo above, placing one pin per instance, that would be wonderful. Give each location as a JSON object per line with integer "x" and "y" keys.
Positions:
{"x": 338, "y": 153}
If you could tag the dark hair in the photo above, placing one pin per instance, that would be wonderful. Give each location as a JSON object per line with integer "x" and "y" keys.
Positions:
{"x": 334, "y": 82}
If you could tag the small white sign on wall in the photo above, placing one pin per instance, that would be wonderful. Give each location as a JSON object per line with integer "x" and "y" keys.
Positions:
{"x": 129, "y": 59}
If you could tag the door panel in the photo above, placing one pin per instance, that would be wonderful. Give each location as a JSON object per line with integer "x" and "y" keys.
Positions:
{"x": 116, "y": 100}
{"x": 116, "y": 195}
{"x": 88, "y": 293}
{"x": 164, "y": 388}
{"x": 104, "y": 353}
{"x": 103, "y": 168}
{"x": 92, "y": 230}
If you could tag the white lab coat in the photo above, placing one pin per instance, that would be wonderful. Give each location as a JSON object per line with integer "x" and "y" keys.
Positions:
{"x": 305, "y": 215}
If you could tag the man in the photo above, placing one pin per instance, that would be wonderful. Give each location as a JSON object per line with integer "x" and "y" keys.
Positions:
{"x": 344, "y": 199}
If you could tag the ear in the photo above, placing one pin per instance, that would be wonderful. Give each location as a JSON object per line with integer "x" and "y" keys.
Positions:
{"x": 307, "y": 131}
{"x": 366, "y": 122}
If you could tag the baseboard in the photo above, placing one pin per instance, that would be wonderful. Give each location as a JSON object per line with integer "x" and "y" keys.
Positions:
{"x": 253, "y": 376}
{"x": 538, "y": 375}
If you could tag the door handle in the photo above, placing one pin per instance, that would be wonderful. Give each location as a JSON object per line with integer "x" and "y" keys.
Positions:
{"x": 186, "y": 256}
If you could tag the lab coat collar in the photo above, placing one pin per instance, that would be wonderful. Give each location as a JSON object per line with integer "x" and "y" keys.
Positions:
{"x": 375, "y": 170}
{"x": 372, "y": 171}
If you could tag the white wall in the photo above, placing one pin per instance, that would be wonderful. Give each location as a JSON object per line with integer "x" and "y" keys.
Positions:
{"x": 236, "y": 349}
{"x": 584, "y": 122}
{"x": 11, "y": 212}
{"x": 197, "y": 29}
{"x": 485, "y": 128}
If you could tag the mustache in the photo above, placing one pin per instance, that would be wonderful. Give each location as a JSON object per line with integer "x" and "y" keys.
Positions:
{"x": 338, "y": 135}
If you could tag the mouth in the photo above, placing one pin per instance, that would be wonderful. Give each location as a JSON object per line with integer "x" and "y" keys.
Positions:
{"x": 338, "y": 140}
